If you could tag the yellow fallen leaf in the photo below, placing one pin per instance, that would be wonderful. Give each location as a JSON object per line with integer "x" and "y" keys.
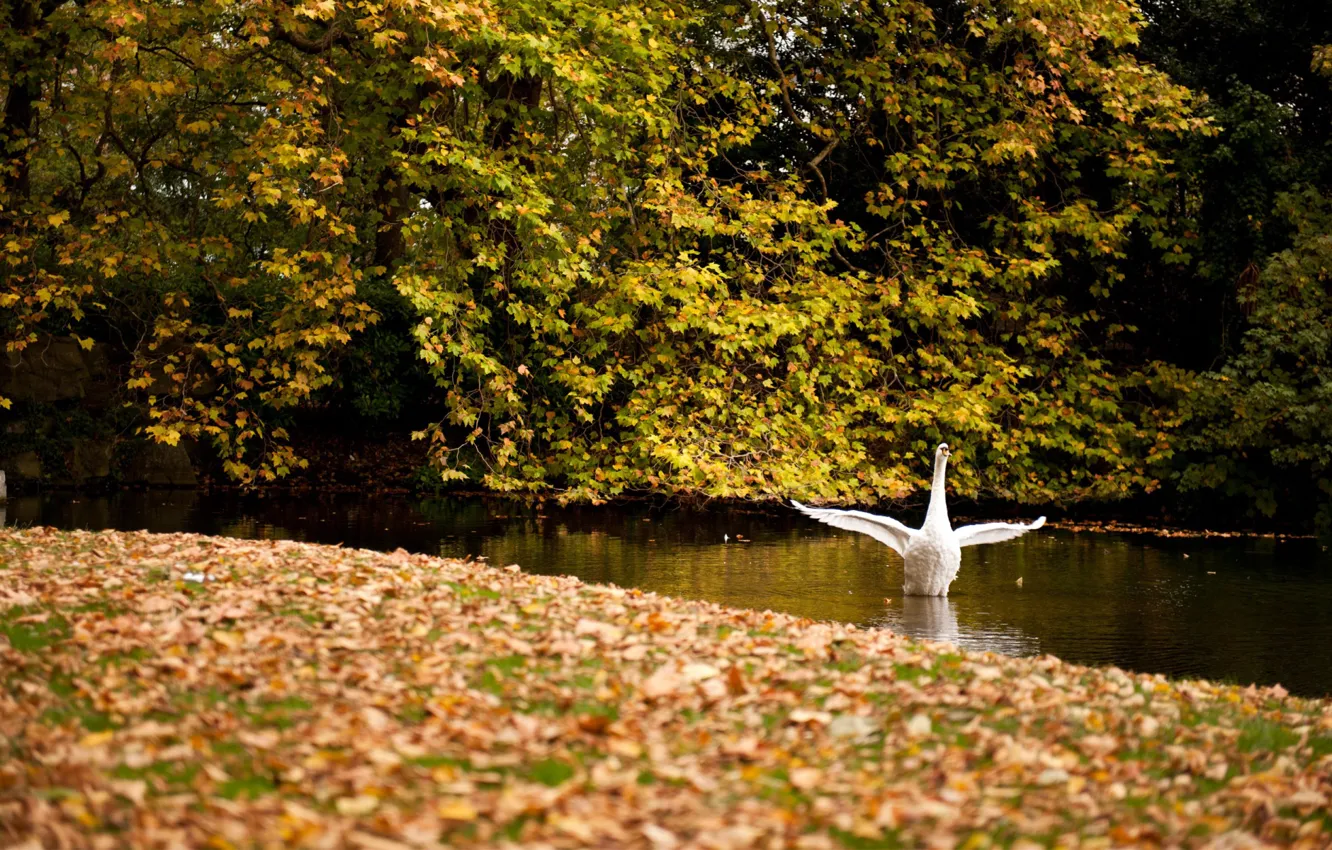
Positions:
{"x": 460, "y": 810}
{"x": 75, "y": 808}
{"x": 231, "y": 640}
{"x": 97, "y": 739}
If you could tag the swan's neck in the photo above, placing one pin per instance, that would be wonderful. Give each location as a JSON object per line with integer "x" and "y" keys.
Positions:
{"x": 938, "y": 510}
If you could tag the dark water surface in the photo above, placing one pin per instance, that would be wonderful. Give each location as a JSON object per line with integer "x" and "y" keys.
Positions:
{"x": 1241, "y": 610}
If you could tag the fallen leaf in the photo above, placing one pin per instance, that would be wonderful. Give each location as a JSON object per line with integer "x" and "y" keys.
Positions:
{"x": 361, "y": 804}
{"x": 666, "y": 680}
{"x": 919, "y": 725}
{"x": 229, "y": 639}
{"x": 661, "y": 839}
{"x": 459, "y": 810}
{"x": 806, "y": 778}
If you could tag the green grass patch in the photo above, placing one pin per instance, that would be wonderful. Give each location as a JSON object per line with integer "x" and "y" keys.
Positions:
{"x": 551, "y": 772}
{"x": 889, "y": 841}
{"x": 247, "y": 787}
{"x": 509, "y": 663}
{"x": 465, "y": 592}
{"x": 177, "y": 775}
{"x": 909, "y": 672}
{"x": 33, "y": 636}
{"x": 1264, "y": 736}
{"x": 1320, "y": 745}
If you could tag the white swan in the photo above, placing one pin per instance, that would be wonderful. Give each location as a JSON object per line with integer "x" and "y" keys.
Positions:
{"x": 933, "y": 552}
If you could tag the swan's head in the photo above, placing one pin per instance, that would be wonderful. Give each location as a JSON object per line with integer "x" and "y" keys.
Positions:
{"x": 942, "y": 452}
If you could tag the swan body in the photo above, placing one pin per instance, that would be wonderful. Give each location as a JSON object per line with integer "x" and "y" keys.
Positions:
{"x": 933, "y": 552}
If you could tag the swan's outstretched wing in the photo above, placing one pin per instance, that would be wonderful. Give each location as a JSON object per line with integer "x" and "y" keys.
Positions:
{"x": 887, "y": 531}
{"x": 994, "y": 532}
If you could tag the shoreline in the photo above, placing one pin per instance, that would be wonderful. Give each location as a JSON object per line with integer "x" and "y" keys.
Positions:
{"x": 771, "y": 507}
{"x": 176, "y": 689}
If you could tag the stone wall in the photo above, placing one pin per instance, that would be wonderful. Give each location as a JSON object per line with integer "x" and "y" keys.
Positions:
{"x": 57, "y": 369}
{"x": 69, "y": 426}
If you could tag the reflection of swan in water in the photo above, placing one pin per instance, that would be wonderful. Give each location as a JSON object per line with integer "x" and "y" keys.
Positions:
{"x": 935, "y": 618}
{"x": 930, "y": 618}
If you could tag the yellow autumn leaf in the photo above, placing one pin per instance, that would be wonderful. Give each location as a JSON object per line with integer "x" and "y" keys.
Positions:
{"x": 459, "y": 810}
{"x": 229, "y": 639}
{"x": 97, "y": 739}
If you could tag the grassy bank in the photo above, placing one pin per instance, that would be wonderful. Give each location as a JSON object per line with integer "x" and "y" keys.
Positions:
{"x": 184, "y": 691}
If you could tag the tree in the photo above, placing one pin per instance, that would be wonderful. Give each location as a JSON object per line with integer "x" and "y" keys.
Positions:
{"x": 1248, "y": 306}
{"x": 1263, "y": 434}
{"x": 731, "y": 250}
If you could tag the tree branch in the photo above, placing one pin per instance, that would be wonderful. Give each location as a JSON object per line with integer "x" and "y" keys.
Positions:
{"x": 788, "y": 107}
{"x": 313, "y": 47}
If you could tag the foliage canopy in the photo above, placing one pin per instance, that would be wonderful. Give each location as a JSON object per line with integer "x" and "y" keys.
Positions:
{"x": 594, "y": 248}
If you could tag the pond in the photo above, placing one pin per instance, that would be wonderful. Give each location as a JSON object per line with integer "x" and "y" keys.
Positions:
{"x": 1243, "y": 610}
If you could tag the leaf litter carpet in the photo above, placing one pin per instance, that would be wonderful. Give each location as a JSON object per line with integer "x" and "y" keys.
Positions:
{"x": 179, "y": 691}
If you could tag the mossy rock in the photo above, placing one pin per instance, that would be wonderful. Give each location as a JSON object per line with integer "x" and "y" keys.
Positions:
{"x": 160, "y": 465}
{"x": 51, "y": 370}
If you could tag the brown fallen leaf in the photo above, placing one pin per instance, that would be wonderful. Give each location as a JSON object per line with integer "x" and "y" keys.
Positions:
{"x": 735, "y": 681}
{"x": 376, "y": 701}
